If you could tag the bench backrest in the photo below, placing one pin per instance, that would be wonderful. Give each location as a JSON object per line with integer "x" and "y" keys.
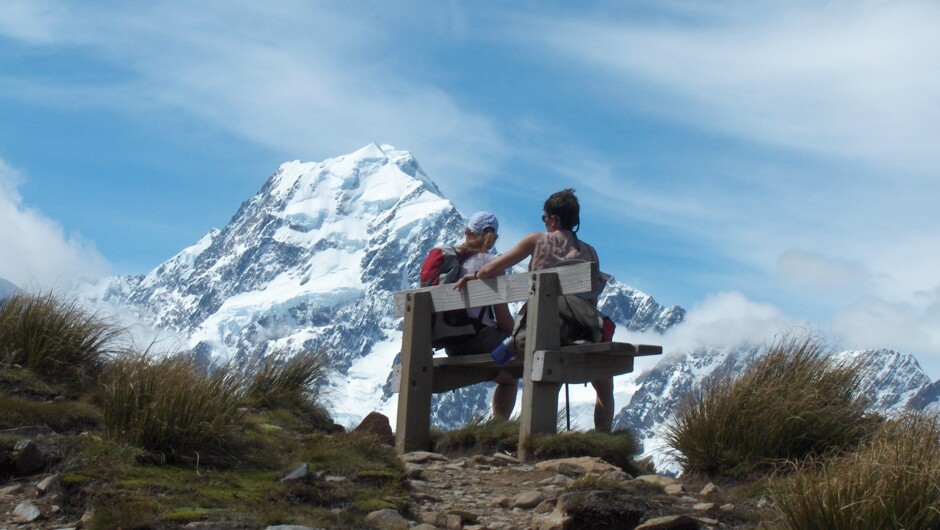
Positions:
{"x": 573, "y": 279}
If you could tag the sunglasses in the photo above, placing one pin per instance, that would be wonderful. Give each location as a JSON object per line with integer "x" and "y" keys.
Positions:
{"x": 546, "y": 217}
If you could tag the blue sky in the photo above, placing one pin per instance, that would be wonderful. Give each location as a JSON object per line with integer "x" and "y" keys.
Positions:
{"x": 760, "y": 164}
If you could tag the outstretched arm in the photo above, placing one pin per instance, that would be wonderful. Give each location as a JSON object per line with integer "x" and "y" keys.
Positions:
{"x": 498, "y": 266}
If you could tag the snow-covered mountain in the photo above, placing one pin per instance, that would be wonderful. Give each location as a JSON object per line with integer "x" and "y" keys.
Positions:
{"x": 7, "y": 288}
{"x": 312, "y": 260}
{"x": 892, "y": 382}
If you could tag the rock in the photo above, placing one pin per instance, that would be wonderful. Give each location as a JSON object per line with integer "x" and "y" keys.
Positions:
{"x": 546, "y": 506}
{"x": 27, "y": 458}
{"x": 578, "y": 466}
{"x": 290, "y": 527}
{"x": 465, "y": 516}
{"x": 710, "y": 489}
{"x": 528, "y": 499}
{"x": 504, "y": 459}
{"x": 86, "y": 519}
{"x": 765, "y": 502}
{"x": 557, "y": 480}
{"x": 674, "y": 489}
{"x": 657, "y": 480}
{"x": 388, "y": 519}
{"x": 433, "y": 518}
{"x": 424, "y": 526}
{"x": 726, "y": 507}
{"x": 413, "y": 471}
{"x": 502, "y": 501}
{"x": 377, "y": 424}
{"x": 672, "y": 522}
{"x": 617, "y": 476}
{"x": 551, "y": 521}
{"x": 26, "y": 512}
{"x": 31, "y": 431}
{"x": 299, "y": 473}
{"x": 47, "y": 484}
{"x": 10, "y": 490}
{"x": 703, "y": 506}
{"x": 421, "y": 457}
{"x": 453, "y": 522}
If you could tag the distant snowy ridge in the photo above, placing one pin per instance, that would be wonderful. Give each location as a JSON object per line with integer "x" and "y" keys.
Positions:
{"x": 7, "y": 288}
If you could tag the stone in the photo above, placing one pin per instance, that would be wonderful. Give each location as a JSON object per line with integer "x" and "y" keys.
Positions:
{"x": 453, "y": 522}
{"x": 617, "y": 476}
{"x": 726, "y": 507}
{"x": 528, "y": 499}
{"x": 672, "y": 522}
{"x": 388, "y": 519}
{"x": 424, "y": 526}
{"x": 578, "y": 466}
{"x": 421, "y": 457}
{"x": 546, "y": 506}
{"x": 47, "y": 484}
{"x": 674, "y": 489}
{"x": 765, "y": 502}
{"x": 27, "y": 458}
{"x": 433, "y": 518}
{"x": 299, "y": 473}
{"x": 504, "y": 459}
{"x": 465, "y": 516}
{"x": 26, "y": 512}
{"x": 657, "y": 480}
{"x": 377, "y": 424}
{"x": 557, "y": 480}
{"x": 10, "y": 490}
{"x": 502, "y": 501}
{"x": 551, "y": 521}
{"x": 290, "y": 527}
{"x": 709, "y": 490}
{"x": 703, "y": 506}
{"x": 414, "y": 471}
{"x": 86, "y": 519}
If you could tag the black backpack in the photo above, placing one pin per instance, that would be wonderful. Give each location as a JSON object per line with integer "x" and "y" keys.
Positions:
{"x": 442, "y": 266}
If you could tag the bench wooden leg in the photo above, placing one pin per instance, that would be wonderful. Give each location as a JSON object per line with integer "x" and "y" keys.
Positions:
{"x": 539, "y": 400}
{"x": 413, "y": 424}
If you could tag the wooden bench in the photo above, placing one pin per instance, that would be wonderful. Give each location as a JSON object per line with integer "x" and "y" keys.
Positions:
{"x": 544, "y": 367}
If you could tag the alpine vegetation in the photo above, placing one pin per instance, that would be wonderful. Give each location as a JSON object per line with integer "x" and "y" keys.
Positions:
{"x": 893, "y": 481}
{"x": 54, "y": 338}
{"x": 794, "y": 402}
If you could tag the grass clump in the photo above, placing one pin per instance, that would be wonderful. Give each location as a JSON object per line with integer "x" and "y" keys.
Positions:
{"x": 483, "y": 434}
{"x": 793, "y": 402}
{"x": 54, "y": 338}
{"x": 293, "y": 385}
{"x": 173, "y": 408}
{"x": 893, "y": 481}
{"x": 617, "y": 448}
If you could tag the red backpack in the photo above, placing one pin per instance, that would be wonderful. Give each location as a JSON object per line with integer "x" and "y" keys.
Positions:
{"x": 442, "y": 266}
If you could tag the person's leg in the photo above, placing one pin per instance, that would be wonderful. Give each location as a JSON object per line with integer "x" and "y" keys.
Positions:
{"x": 504, "y": 397}
{"x": 604, "y": 404}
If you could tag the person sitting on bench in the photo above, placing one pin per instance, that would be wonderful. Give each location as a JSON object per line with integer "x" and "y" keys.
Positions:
{"x": 559, "y": 242}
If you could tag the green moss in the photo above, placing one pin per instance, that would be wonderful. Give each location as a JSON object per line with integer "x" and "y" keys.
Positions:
{"x": 61, "y": 416}
{"x": 371, "y": 504}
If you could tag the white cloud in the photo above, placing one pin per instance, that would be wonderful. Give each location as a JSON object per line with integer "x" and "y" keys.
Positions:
{"x": 850, "y": 79}
{"x": 727, "y": 319}
{"x": 808, "y": 269}
{"x": 35, "y": 253}
{"x": 310, "y": 81}
{"x": 876, "y": 323}
{"x": 33, "y": 21}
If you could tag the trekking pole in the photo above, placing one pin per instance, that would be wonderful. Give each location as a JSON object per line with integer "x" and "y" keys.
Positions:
{"x": 567, "y": 410}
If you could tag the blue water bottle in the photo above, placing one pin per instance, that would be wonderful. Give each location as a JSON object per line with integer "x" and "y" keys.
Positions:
{"x": 503, "y": 352}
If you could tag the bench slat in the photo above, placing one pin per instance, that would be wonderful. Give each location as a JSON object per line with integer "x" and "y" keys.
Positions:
{"x": 574, "y": 279}
{"x": 580, "y": 367}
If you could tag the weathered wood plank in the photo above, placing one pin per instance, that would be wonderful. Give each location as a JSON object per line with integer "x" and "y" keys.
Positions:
{"x": 417, "y": 371}
{"x": 540, "y": 400}
{"x": 451, "y": 377}
{"x": 574, "y": 279}
{"x": 570, "y": 367}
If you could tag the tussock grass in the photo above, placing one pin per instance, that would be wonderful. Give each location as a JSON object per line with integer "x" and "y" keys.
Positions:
{"x": 54, "y": 338}
{"x": 793, "y": 402}
{"x": 289, "y": 382}
{"x": 173, "y": 408}
{"x": 893, "y": 481}
{"x": 483, "y": 434}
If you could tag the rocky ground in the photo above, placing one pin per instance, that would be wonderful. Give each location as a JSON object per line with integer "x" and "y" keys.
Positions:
{"x": 481, "y": 492}
{"x": 500, "y": 493}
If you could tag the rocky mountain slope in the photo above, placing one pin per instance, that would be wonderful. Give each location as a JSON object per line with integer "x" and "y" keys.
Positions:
{"x": 311, "y": 262}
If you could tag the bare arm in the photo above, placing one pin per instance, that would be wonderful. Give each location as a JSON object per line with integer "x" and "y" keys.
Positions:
{"x": 498, "y": 266}
{"x": 504, "y": 319}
